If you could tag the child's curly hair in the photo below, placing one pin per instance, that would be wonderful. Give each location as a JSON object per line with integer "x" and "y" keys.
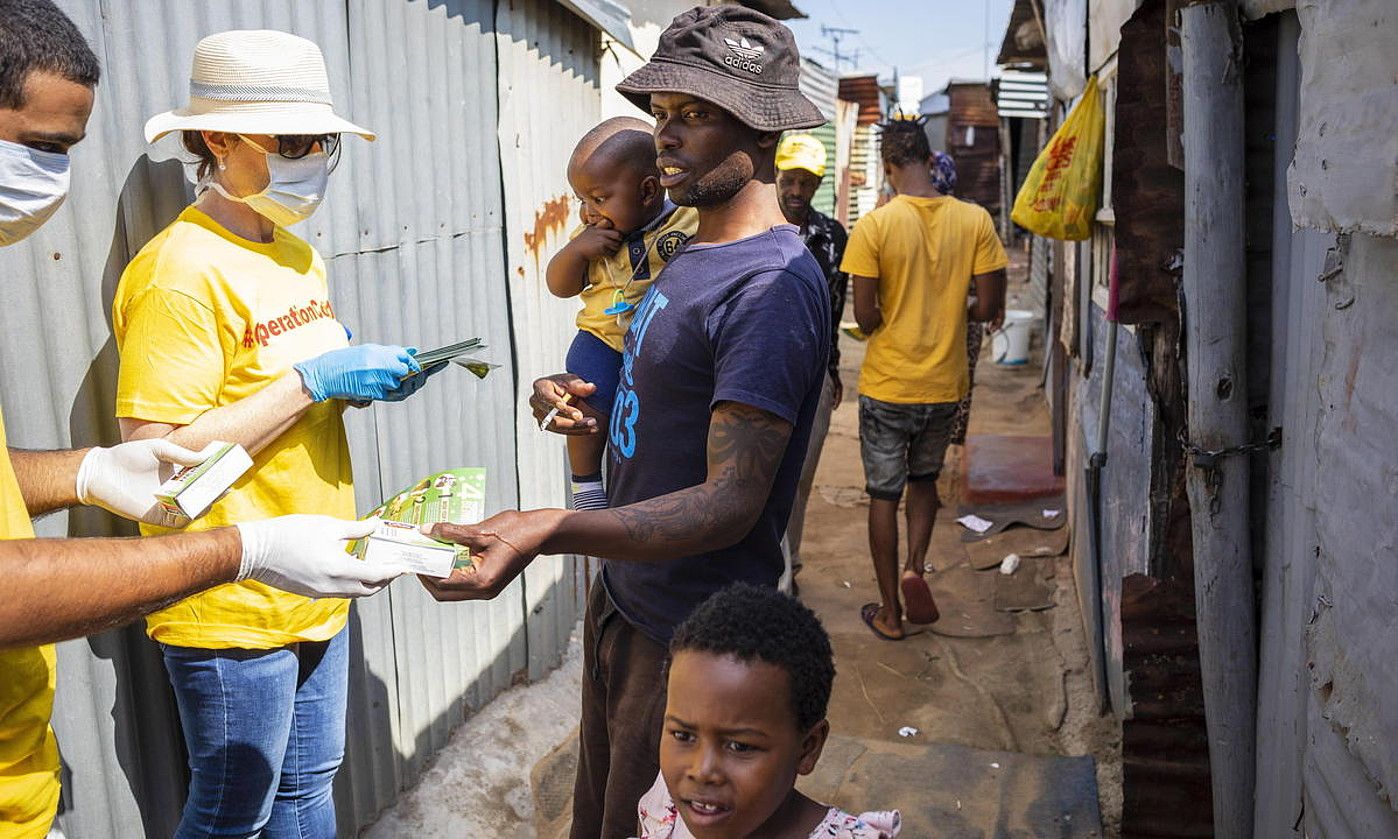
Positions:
{"x": 903, "y": 140}
{"x": 752, "y": 623}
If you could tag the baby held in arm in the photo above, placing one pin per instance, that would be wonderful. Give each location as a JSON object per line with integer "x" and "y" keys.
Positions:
{"x": 749, "y": 681}
{"x": 629, "y": 231}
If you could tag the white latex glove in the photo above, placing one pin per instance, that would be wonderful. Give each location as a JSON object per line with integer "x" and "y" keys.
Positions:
{"x": 306, "y": 555}
{"x": 123, "y": 479}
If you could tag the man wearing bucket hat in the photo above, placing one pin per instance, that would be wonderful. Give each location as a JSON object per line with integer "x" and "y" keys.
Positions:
{"x": 64, "y": 588}
{"x": 225, "y": 329}
{"x": 913, "y": 261}
{"x": 721, "y": 375}
{"x": 800, "y": 170}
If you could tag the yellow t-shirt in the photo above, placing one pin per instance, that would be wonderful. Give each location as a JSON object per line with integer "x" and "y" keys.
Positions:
{"x": 28, "y": 750}
{"x": 642, "y": 256}
{"x": 204, "y": 318}
{"x": 923, "y": 252}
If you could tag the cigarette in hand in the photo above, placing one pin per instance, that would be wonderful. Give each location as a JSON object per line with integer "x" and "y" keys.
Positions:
{"x": 553, "y": 414}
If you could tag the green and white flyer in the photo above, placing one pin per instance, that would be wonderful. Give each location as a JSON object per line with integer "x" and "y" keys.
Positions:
{"x": 456, "y": 496}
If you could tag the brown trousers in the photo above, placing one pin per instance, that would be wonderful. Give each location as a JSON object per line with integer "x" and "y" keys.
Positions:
{"x": 623, "y": 709}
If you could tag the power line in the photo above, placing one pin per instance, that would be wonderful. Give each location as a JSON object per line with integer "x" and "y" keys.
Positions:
{"x": 834, "y": 6}
{"x": 835, "y": 33}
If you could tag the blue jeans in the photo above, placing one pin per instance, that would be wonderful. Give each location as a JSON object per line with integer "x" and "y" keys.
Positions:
{"x": 265, "y": 733}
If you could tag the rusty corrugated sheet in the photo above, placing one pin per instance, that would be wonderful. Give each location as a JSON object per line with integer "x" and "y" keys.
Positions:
{"x": 1147, "y": 192}
{"x": 973, "y": 141}
{"x": 864, "y": 89}
{"x": 1165, "y": 751}
{"x": 973, "y": 104}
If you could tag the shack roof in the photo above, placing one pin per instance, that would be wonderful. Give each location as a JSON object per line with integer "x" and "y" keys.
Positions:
{"x": 1024, "y": 37}
{"x": 864, "y": 90}
{"x": 972, "y": 104}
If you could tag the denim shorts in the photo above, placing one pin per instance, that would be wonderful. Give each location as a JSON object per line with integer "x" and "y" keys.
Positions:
{"x": 900, "y": 443}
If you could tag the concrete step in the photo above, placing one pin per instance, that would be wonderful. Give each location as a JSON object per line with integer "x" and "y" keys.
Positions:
{"x": 951, "y": 791}
{"x": 1004, "y": 469}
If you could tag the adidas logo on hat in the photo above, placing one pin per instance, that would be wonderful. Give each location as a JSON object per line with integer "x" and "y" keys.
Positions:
{"x": 743, "y": 55}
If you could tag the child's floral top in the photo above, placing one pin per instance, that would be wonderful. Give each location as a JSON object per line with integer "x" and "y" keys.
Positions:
{"x": 660, "y": 819}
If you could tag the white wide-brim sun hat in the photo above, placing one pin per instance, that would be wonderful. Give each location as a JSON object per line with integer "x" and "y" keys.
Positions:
{"x": 256, "y": 81}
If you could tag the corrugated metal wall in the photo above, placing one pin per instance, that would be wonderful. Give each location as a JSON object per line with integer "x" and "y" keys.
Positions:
{"x": 548, "y": 92}
{"x": 864, "y": 162}
{"x": 822, "y": 87}
{"x": 1124, "y": 516}
{"x": 1325, "y": 758}
{"x": 1350, "y": 767}
{"x": 421, "y": 235}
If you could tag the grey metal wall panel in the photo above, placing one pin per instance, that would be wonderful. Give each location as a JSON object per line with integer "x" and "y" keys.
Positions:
{"x": 549, "y": 97}
{"x": 1350, "y": 642}
{"x": 1039, "y": 255}
{"x": 1124, "y": 516}
{"x": 1289, "y": 544}
{"x": 414, "y": 238}
{"x": 1326, "y": 727}
{"x": 1349, "y": 123}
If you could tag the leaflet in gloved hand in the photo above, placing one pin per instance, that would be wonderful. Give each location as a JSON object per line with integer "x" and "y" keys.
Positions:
{"x": 190, "y": 492}
{"x": 456, "y": 496}
{"x": 462, "y": 353}
{"x": 427, "y": 358}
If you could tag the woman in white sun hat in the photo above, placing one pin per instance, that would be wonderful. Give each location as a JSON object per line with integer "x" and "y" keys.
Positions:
{"x": 226, "y": 332}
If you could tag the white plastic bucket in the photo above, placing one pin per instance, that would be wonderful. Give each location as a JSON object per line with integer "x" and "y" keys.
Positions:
{"x": 1011, "y": 344}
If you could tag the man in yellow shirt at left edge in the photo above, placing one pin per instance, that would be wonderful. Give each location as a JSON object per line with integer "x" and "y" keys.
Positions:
{"x": 65, "y": 588}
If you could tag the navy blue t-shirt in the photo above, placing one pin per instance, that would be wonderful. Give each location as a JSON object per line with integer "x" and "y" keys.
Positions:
{"x": 743, "y": 321}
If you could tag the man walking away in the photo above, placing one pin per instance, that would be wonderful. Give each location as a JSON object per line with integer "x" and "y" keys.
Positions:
{"x": 913, "y": 261}
{"x": 800, "y": 170}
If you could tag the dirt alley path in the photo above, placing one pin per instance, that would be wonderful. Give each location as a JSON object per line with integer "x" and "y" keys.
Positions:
{"x": 1029, "y": 691}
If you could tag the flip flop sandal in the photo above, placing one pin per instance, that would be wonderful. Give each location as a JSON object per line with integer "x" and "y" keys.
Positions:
{"x": 867, "y": 613}
{"x": 917, "y": 601}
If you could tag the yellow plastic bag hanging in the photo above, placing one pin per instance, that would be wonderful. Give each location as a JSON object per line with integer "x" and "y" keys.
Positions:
{"x": 1060, "y": 196}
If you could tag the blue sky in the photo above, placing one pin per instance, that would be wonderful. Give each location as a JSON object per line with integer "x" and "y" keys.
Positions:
{"x": 935, "y": 39}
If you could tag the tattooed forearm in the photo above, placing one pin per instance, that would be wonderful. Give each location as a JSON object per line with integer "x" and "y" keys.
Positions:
{"x": 746, "y": 446}
{"x": 691, "y": 520}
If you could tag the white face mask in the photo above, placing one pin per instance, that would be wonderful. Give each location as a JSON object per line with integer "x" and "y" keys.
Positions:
{"x": 33, "y": 184}
{"x": 294, "y": 188}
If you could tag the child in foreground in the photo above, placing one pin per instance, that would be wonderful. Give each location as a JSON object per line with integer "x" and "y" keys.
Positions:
{"x": 750, "y": 677}
{"x": 630, "y": 230}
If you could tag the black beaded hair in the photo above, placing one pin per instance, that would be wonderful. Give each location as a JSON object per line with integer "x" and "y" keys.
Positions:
{"x": 904, "y": 141}
{"x": 751, "y": 623}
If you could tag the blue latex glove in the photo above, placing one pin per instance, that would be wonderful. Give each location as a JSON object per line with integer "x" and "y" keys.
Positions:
{"x": 366, "y": 372}
{"x": 410, "y": 385}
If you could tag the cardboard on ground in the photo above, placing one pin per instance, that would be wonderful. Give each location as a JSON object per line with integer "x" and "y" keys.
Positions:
{"x": 456, "y": 496}
{"x": 191, "y": 491}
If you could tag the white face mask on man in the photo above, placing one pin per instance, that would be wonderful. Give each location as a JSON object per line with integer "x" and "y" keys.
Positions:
{"x": 33, "y": 184}
{"x": 294, "y": 188}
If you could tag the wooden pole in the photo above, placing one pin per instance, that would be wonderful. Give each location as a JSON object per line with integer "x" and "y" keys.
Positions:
{"x": 1215, "y": 318}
